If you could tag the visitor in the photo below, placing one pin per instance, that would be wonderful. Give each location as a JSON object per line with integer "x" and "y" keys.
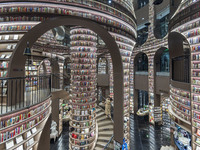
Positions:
{"x": 108, "y": 107}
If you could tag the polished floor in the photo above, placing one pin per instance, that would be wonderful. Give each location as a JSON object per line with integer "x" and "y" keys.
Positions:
{"x": 62, "y": 142}
{"x": 143, "y": 135}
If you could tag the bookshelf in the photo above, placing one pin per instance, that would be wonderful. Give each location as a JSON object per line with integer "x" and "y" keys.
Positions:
{"x": 180, "y": 102}
{"x": 83, "y": 87}
{"x": 102, "y": 66}
{"x": 132, "y": 85}
{"x": 152, "y": 109}
{"x": 158, "y": 115}
{"x": 110, "y": 72}
{"x": 60, "y": 127}
{"x": 21, "y": 130}
{"x": 8, "y": 41}
{"x": 124, "y": 23}
{"x": 48, "y": 67}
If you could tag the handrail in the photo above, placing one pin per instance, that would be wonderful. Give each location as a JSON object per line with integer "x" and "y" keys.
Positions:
{"x": 17, "y": 93}
{"x": 106, "y": 146}
{"x": 103, "y": 97}
{"x": 31, "y": 76}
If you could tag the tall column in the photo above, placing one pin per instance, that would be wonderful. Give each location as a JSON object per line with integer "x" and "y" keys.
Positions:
{"x": 83, "y": 87}
{"x": 151, "y": 63}
{"x": 125, "y": 45}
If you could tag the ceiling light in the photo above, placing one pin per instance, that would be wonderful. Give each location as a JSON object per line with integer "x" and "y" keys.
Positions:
{"x": 147, "y": 24}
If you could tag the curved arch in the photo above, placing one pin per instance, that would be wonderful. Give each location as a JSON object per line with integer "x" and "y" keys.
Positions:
{"x": 142, "y": 35}
{"x": 65, "y": 69}
{"x": 17, "y": 63}
{"x": 174, "y": 7}
{"x": 180, "y": 51}
{"x": 175, "y": 42}
{"x": 157, "y": 58}
{"x": 161, "y": 19}
{"x": 136, "y": 67}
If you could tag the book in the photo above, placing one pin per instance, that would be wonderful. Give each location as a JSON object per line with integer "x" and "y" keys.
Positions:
{"x": 19, "y": 139}
{"x": 9, "y": 144}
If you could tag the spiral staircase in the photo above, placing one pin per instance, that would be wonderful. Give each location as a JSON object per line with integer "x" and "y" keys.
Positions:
{"x": 105, "y": 130}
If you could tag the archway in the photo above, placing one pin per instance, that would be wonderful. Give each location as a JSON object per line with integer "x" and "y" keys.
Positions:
{"x": 16, "y": 66}
{"x": 66, "y": 73}
{"x": 161, "y": 60}
{"x": 161, "y": 75}
{"x": 140, "y": 81}
{"x": 161, "y": 19}
{"x": 141, "y": 62}
{"x": 179, "y": 50}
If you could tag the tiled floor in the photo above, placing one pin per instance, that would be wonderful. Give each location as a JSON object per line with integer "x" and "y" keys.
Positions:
{"x": 143, "y": 136}
{"x": 62, "y": 142}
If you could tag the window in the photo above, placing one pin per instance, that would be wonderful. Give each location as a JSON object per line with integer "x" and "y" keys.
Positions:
{"x": 143, "y": 99}
{"x": 180, "y": 68}
{"x": 142, "y": 63}
{"x": 164, "y": 61}
{"x": 142, "y": 3}
{"x": 142, "y": 35}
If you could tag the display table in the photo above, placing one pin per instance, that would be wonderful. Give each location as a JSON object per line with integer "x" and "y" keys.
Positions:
{"x": 142, "y": 112}
{"x": 66, "y": 118}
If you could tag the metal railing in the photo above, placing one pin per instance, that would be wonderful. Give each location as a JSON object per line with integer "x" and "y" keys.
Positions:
{"x": 106, "y": 146}
{"x": 21, "y": 92}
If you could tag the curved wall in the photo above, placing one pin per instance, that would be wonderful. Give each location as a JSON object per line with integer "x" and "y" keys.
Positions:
{"x": 185, "y": 24}
{"x": 120, "y": 25}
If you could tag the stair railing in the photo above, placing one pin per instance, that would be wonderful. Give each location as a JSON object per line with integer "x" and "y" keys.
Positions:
{"x": 106, "y": 146}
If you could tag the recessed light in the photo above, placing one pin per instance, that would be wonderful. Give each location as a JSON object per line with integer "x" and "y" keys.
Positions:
{"x": 147, "y": 24}
{"x": 157, "y": 2}
{"x": 142, "y": 18}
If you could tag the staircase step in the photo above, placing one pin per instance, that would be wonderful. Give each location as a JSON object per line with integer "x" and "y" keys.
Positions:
{"x": 98, "y": 148}
{"x": 101, "y": 118}
{"x": 104, "y": 123}
{"x": 105, "y": 133}
{"x": 103, "y": 139}
{"x": 100, "y": 114}
{"x": 105, "y": 130}
{"x": 98, "y": 110}
{"x": 107, "y": 127}
{"x": 101, "y": 145}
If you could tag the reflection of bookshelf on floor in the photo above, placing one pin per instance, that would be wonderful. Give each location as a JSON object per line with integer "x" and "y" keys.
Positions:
{"x": 60, "y": 127}
{"x": 158, "y": 115}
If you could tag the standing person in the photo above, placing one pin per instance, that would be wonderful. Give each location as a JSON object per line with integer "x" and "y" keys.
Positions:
{"x": 108, "y": 107}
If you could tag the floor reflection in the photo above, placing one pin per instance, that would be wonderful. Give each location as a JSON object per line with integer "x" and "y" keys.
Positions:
{"x": 62, "y": 142}
{"x": 144, "y": 136}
